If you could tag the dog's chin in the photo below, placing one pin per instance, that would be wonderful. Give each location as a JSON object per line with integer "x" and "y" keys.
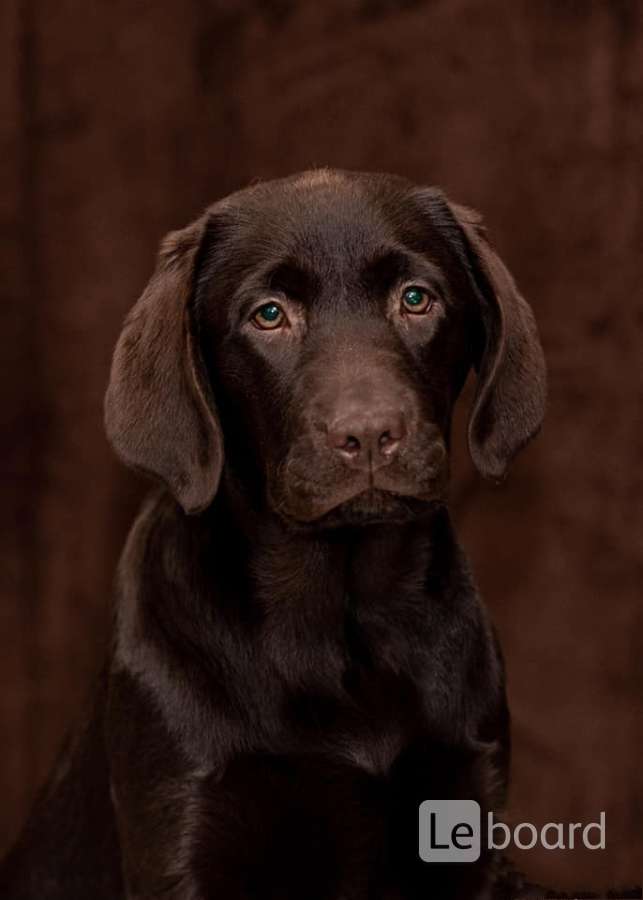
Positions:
{"x": 371, "y": 506}
{"x": 376, "y": 506}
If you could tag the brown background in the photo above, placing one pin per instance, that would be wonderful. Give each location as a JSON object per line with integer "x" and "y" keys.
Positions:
{"x": 122, "y": 120}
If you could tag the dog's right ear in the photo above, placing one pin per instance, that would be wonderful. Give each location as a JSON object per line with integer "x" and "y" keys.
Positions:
{"x": 159, "y": 414}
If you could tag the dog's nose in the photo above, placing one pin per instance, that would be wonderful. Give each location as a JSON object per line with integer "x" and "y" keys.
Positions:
{"x": 367, "y": 439}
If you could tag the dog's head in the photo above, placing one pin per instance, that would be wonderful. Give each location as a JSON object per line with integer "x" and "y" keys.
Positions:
{"x": 318, "y": 329}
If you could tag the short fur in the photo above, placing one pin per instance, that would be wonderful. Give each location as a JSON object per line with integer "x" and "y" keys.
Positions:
{"x": 301, "y": 655}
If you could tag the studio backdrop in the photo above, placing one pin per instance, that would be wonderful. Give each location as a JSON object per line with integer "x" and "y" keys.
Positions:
{"x": 123, "y": 120}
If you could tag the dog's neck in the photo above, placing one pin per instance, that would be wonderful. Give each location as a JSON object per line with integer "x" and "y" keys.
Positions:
{"x": 279, "y": 568}
{"x": 272, "y": 542}
{"x": 309, "y": 610}
{"x": 258, "y": 572}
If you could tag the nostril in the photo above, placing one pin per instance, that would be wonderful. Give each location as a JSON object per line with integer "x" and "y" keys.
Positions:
{"x": 340, "y": 438}
{"x": 351, "y": 444}
{"x": 388, "y": 443}
{"x": 389, "y": 439}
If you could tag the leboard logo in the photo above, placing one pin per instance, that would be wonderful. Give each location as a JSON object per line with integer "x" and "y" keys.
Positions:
{"x": 451, "y": 831}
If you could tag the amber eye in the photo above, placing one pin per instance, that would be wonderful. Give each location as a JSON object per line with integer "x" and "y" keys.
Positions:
{"x": 416, "y": 300}
{"x": 269, "y": 316}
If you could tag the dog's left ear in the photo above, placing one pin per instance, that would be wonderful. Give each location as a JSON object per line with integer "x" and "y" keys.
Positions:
{"x": 509, "y": 403}
{"x": 159, "y": 415}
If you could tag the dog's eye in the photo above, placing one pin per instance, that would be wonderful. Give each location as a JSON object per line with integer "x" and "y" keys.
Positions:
{"x": 269, "y": 316}
{"x": 416, "y": 300}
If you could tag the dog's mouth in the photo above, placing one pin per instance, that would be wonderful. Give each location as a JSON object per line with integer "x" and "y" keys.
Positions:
{"x": 378, "y": 505}
{"x": 320, "y": 491}
{"x": 367, "y": 503}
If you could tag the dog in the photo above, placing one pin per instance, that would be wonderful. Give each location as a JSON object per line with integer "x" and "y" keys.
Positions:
{"x": 300, "y": 655}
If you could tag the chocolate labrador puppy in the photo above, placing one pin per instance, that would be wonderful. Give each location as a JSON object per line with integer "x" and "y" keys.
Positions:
{"x": 300, "y": 655}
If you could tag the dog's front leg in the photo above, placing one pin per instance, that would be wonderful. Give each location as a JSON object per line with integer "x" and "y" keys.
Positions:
{"x": 441, "y": 773}
{"x": 160, "y": 795}
{"x": 156, "y": 825}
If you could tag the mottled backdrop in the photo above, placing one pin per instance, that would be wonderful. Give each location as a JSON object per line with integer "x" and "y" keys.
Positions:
{"x": 121, "y": 120}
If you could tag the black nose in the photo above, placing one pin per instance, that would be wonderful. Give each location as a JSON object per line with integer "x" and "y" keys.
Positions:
{"x": 367, "y": 439}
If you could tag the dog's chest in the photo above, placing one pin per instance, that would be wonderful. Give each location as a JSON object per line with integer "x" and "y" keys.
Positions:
{"x": 367, "y": 725}
{"x": 355, "y": 688}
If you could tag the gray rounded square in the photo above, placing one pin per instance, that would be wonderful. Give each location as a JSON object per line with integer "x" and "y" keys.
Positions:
{"x": 449, "y": 831}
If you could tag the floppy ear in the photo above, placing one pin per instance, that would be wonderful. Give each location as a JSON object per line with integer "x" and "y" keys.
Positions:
{"x": 159, "y": 415}
{"x": 509, "y": 403}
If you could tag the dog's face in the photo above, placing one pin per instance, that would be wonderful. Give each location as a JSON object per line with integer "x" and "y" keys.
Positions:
{"x": 318, "y": 330}
{"x": 336, "y": 333}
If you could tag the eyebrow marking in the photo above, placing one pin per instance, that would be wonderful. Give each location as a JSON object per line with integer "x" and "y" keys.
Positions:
{"x": 394, "y": 267}
{"x": 292, "y": 279}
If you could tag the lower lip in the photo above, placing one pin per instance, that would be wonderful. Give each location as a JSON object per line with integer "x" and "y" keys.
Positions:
{"x": 373, "y": 499}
